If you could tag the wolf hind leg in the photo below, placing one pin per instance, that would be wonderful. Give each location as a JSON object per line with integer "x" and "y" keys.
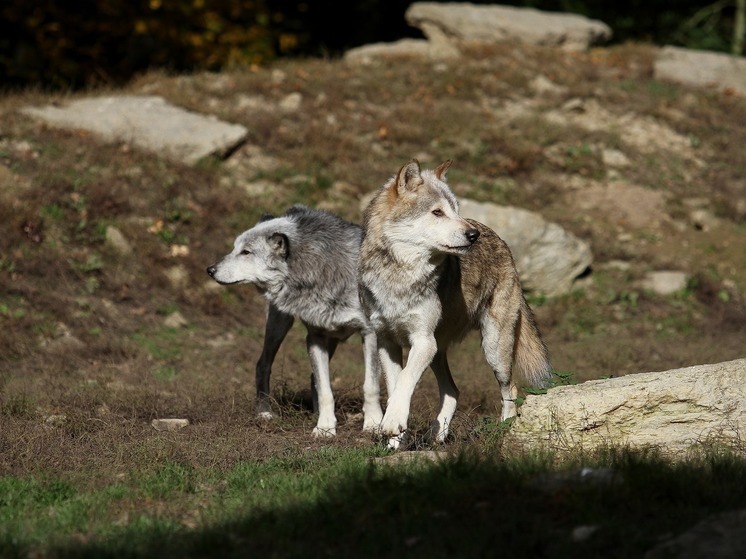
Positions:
{"x": 449, "y": 393}
{"x": 277, "y": 327}
{"x": 319, "y": 349}
{"x": 372, "y": 411}
{"x": 498, "y": 340}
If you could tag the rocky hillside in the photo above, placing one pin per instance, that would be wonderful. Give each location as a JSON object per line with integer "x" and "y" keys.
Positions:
{"x": 107, "y": 228}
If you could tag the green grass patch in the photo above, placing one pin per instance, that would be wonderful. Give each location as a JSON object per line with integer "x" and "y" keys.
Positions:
{"x": 162, "y": 344}
{"x": 336, "y": 502}
{"x": 165, "y": 373}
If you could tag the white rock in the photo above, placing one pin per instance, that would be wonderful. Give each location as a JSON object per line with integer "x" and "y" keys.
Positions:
{"x": 462, "y": 21}
{"x": 148, "y": 122}
{"x": 672, "y": 410}
{"x": 169, "y": 424}
{"x": 665, "y": 282}
{"x": 701, "y": 69}
{"x": 116, "y": 240}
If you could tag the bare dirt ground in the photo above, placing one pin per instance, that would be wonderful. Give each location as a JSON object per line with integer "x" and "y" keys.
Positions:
{"x": 97, "y": 340}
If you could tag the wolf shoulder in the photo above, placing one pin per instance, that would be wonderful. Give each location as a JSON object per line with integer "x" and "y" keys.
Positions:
{"x": 324, "y": 229}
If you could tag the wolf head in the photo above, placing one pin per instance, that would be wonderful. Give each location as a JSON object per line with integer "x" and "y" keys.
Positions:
{"x": 259, "y": 255}
{"x": 418, "y": 213}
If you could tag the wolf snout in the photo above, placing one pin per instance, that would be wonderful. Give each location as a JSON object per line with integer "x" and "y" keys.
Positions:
{"x": 472, "y": 235}
{"x": 211, "y": 271}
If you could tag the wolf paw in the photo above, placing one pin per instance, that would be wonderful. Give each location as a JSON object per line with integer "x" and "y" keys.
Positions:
{"x": 438, "y": 434}
{"x": 372, "y": 423}
{"x": 393, "y": 426}
{"x": 394, "y": 421}
{"x": 400, "y": 442}
{"x": 509, "y": 409}
{"x": 265, "y": 415}
{"x": 327, "y": 433}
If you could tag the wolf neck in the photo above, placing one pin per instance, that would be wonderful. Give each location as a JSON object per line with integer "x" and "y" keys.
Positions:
{"x": 412, "y": 259}
{"x": 404, "y": 268}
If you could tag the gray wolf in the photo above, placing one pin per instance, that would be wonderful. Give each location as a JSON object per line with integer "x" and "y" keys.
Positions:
{"x": 427, "y": 277}
{"x": 304, "y": 262}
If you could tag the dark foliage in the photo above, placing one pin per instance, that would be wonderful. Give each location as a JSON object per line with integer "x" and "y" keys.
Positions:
{"x": 56, "y": 45}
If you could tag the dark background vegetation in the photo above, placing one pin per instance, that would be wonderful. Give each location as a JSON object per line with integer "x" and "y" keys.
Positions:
{"x": 56, "y": 45}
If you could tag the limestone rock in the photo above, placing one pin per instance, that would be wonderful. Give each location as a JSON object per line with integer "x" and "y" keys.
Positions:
{"x": 464, "y": 22}
{"x": 665, "y": 282}
{"x": 701, "y": 69}
{"x": 421, "y": 48}
{"x": 148, "y": 122}
{"x": 117, "y": 241}
{"x": 169, "y": 424}
{"x": 673, "y": 410}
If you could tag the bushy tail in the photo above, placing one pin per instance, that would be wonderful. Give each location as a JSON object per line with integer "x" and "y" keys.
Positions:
{"x": 531, "y": 354}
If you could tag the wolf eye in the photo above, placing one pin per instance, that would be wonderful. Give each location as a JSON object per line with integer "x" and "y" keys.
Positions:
{"x": 245, "y": 252}
{"x": 438, "y": 212}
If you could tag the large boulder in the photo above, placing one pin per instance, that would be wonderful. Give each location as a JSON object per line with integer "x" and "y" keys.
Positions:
{"x": 673, "y": 411}
{"x": 450, "y": 26}
{"x": 698, "y": 68}
{"x": 464, "y": 22}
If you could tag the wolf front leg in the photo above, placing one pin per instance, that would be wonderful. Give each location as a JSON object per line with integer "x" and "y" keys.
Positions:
{"x": 372, "y": 412}
{"x": 390, "y": 358}
{"x": 277, "y": 327}
{"x": 318, "y": 352}
{"x": 420, "y": 356}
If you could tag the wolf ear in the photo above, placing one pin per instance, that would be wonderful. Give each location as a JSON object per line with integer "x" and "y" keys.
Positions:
{"x": 442, "y": 169}
{"x": 279, "y": 244}
{"x": 265, "y": 217}
{"x": 409, "y": 177}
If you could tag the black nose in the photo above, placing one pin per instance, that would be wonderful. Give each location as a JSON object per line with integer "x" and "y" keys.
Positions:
{"x": 211, "y": 271}
{"x": 472, "y": 235}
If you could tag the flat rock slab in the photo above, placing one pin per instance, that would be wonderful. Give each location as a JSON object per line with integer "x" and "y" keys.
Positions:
{"x": 462, "y": 21}
{"x": 674, "y": 411}
{"x": 420, "y": 48}
{"x": 148, "y": 122}
{"x": 701, "y": 69}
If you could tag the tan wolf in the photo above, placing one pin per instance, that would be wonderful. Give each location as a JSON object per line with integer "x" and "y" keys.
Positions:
{"x": 426, "y": 278}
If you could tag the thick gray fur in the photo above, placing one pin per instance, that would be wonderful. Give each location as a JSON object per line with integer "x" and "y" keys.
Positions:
{"x": 305, "y": 263}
